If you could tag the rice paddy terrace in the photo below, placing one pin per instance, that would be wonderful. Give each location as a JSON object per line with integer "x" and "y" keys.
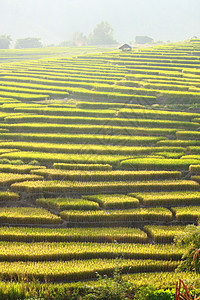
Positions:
{"x": 97, "y": 149}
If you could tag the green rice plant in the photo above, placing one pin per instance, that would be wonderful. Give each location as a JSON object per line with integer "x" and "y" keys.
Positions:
{"x": 161, "y": 76}
{"x": 166, "y": 86}
{"x": 28, "y": 290}
{"x": 27, "y": 215}
{"x": 115, "y": 201}
{"x": 159, "y": 280}
{"x": 93, "y": 175}
{"x": 194, "y": 149}
{"x": 79, "y": 89}
{"x": 84, "y": 148}
{"x": 166, "y": 149}
{"x": 85, "y": 129}
{"x": 75, "y": 187}
{"x": 6, "y": 161}
{"x": 78, "y": 269}
{"x": 194, "y": 168}
{"x": 21, "y": 95}
{"x": 110, "y": 93}
{"x": 185, "y": 198}
{"x": 153, "y": 70}
{"x": 86, "y": 167}
{"x": 44, "y": 251}
{"x": 163, "y": 234}
{"x": 9, "y": 108}
{"x": 187, "y": 214}
{"x": 9, "y": 178}
{"x": 196, "y": 120}
{"x": 67, "y": 203}
{"x": 16, "y": 162}
{"x": 67, "y": 111}
{"x": 185, "y": 84}
{"x": 50, "y": 158}
{"x": 19, "y": 169}
{"x": 3, "y": 130}
{"x": 49, "y": 53}
{"x": 34, "y": 163}
{"x": 8, "y": 100}
{"x": 157, "y": 114}
{"x": 100, "y": 234}
{"x": 8, "y": 196}
{"x": 70, "y": 72}
{"x": 75, "y": 67}
{"x": 152, "y": 73}
{"x": 158, "y": 163}
{"x": 178, "y": 143}
{"x": 56, "y": 80}
{"x": 83, "y": 138}
{"x": 3, "y": 114}
{"x": 41, "y": 86}
{"x": 128, "y": 215}
{"x": 60, "y": 77}
{"x": 4, "y": 150}
{"x": 188, "y": 135}
{"x": 103, "y": 105}
{"x": 169, "y": 154}
{"x": 8, "y": 90}
{"x": 195, "y": 178}
{"x": 197, "y": 157}
{"x": 115, "y": 121}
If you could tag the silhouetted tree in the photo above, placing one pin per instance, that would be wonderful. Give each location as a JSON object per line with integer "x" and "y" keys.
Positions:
{"x": 28, "y": 43}
{"x": 5, "y": 41}
{"x": 79, "y": 39}
{"x": 143, "y": 40}
{"x": 102, "y": 35}
{"x": 66, "y": 44}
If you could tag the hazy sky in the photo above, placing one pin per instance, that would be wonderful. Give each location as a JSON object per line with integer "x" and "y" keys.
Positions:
{"x": 56, "y": 20}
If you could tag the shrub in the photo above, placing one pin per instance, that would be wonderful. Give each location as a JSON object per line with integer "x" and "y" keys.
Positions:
{"x": 34, "y": 163}
{"x": 150, "y": 293}
{"x": 190, "y": 238}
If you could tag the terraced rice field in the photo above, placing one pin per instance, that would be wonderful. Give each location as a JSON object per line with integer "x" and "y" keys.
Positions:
{"x": 99, "y": 158}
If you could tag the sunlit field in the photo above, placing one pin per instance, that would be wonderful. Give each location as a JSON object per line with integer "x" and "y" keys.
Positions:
{"x": 99, "y": 162}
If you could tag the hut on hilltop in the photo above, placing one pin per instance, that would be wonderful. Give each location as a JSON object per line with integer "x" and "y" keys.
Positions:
{"x": 125, "y": 47}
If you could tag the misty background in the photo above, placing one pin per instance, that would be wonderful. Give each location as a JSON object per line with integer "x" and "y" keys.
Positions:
{"x": 55, "y": 21}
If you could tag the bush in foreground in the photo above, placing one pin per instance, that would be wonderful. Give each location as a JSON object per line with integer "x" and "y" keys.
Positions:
{"x": 190, "y": 238}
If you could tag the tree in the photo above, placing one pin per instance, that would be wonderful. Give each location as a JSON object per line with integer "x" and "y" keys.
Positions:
{"x": 79, "y": 39}
{"x": 143, "y": 40}
{"x": 190, "y": 239}
{"x": 28, "y": 43}
{"x": 5, "y": 41}
{"x": 66, "y": 44}
{"x": 102, "y": 35}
